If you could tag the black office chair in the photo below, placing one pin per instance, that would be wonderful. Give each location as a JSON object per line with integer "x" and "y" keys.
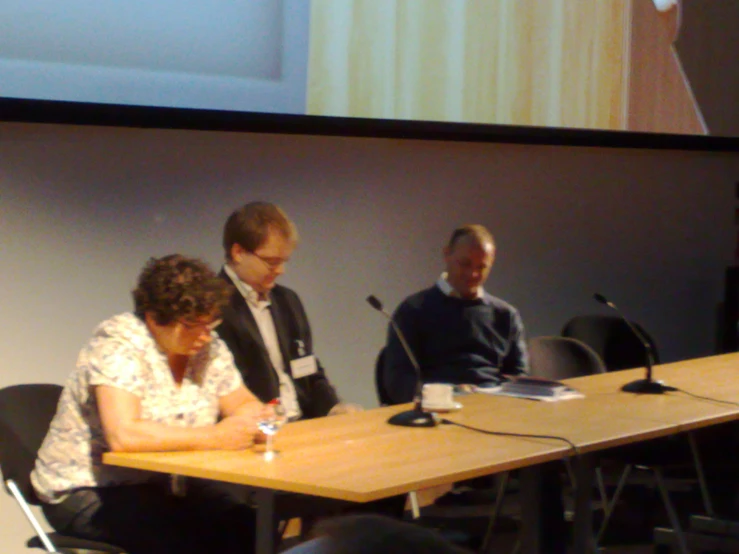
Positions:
{"x": 380, "y": 388}
{"x": 556, "y": 358}
{"x": 560, "y": 358}
{"x": 612, "y": 339}
{"x": 615, "y": 342}
{"x": 25, "y": 414}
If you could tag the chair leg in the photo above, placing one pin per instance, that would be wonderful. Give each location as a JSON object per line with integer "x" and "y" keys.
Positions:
{"x": 707, "y": 504}
{"x": 602, "y": 491}
{"x": 570, "y": 473}
{"x": 671, "y": 513}
{"x": 415, "y": 509}
{"x": 616, "y": 495}
{"x": 500, "y": 494}
{"x": 15, "y": 491}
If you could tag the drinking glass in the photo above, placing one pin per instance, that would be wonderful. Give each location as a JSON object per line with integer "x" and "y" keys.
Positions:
{"x": 275, "y": 417}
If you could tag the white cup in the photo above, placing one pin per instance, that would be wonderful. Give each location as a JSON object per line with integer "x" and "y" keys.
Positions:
{"x": 437, "y": 396}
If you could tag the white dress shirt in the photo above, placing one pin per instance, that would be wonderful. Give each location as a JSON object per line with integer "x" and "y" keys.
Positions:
{"x": 447, "y": 289}
{"x": 263, "y": 316}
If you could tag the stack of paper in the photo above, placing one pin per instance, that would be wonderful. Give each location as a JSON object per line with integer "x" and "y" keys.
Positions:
{"x": 534, "y": 388}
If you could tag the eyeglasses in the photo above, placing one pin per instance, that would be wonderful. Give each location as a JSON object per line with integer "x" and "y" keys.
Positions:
{"x": 201, "y": 326}
{"x": 271, "y": 263}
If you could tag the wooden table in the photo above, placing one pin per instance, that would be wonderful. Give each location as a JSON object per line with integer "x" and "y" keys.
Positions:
{"x": 608, "y": 417}
{"x": 354, "y": 457}
{"x": 359, "y": 457}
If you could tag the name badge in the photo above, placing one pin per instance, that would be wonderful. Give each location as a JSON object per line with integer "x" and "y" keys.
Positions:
{"x": 302, "y": 367}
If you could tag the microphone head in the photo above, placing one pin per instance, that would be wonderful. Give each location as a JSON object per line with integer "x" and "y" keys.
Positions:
{"x": 374, "y": 302}
{"x": 600, "y": 298}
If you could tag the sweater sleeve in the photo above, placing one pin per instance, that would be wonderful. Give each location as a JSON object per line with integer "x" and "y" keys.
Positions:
{"x": 516, "y": 361}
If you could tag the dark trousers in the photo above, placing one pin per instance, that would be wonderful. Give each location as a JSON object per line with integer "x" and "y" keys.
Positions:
{"x": 148, "y": 519}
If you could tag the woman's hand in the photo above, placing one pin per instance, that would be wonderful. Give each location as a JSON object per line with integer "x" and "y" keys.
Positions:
{"x": 236, "y": 432}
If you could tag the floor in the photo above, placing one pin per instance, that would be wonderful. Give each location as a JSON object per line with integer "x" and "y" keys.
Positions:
{"x": 468, "y": 525}
{"x": 629, "y": 531}
{"x": 465, "y": 520}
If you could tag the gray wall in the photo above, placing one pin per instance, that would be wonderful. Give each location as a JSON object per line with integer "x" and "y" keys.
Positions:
{"x": 81, "y": 209}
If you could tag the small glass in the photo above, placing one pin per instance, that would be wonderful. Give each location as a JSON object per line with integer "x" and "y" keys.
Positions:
{"x": 275, "y": 417}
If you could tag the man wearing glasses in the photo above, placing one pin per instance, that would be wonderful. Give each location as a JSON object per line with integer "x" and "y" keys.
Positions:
{"x": 265, "y": 325}
{"x": 266, "y": 328}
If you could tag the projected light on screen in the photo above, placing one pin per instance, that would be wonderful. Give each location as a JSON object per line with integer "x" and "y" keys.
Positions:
{"x": 634, "y": 65}
{"x": 218, "y": 54}
{"x": 166, "y": 35}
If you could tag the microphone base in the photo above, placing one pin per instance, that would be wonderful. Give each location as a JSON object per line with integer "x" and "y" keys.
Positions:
{"x": 647, "y": 386}
{"x": 413, "y": 418}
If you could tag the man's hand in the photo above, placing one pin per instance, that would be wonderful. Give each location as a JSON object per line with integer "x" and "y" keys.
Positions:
{"x": 344, "y": 408}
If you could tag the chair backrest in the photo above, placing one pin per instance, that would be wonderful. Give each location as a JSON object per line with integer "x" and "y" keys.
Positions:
{"x": 561, "y": 358}
{"x": 25, "y": 414}
{"x": 611, "y": 338}
{"x": 380, "y": 388}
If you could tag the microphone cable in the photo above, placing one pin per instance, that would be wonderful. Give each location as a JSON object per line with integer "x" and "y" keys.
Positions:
{"x": 711, "y": 399}
{"x": 516, "y": 435}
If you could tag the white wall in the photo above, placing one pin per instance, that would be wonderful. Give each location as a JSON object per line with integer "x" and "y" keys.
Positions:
{"x": 81, "y": 209}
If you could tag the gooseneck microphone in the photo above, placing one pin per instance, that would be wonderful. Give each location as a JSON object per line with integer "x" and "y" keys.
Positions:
{"x": 415, "y": 417}
{"x": 641, "y": 386}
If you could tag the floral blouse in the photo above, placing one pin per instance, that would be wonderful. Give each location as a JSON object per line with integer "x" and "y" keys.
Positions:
{"x": 123, "y": 354}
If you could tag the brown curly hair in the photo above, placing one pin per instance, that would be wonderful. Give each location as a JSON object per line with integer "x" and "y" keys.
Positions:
{"x": 175, "y": 287}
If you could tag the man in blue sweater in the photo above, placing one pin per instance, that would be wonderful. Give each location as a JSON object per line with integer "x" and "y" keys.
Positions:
{"x": 460, "y": 333}
{"x": 463, "y": 335}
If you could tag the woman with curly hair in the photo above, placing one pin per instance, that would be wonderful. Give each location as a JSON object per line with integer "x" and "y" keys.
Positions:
{"x": 155, "y": 379}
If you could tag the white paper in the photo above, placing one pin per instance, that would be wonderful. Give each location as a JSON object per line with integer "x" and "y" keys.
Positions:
{"x": 497, "y": 391}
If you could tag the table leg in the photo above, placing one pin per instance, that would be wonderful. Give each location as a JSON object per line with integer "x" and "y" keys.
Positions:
{"x": 583, "y": 529}
{"x": 531, "y": 510}
{"x": 265, "y": 500}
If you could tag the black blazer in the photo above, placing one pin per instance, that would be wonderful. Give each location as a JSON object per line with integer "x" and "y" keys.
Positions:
{"x": 240, "y": 332}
